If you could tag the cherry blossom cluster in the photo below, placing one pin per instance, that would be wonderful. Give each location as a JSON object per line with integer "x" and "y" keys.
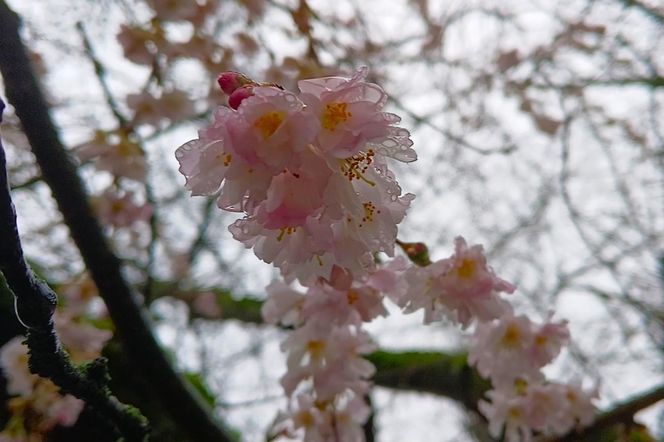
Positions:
{"x": 507, "y": 349}
{"x": 308, "y": 170}
{"x": 511, "y": 351}
{"x": 461, "y": 288}
{"x": 327, "y": 377}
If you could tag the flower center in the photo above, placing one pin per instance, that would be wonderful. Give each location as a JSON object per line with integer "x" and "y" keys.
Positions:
{"x": 514, "y": 414}
{"x": 268, "y": 123}
{"x": 512, "y": 336}
{"x": 316, "y": 349}
{"x": 467, "y": 269}
{"x": 117, "y": 207}
{"x": 334, "y": 114}
{"x": 305, "y": 419}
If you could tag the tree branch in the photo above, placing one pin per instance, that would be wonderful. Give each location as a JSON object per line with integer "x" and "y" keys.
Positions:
{"x": 59, "y": 172}
{"x": 445, "y": 374}
{"x": 35, "y": 305}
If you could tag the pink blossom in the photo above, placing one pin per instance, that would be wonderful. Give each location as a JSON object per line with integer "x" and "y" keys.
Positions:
{"x": 357, "y": 304}
{"x": 547, "y": 409}
{"x": 330, "y": 355}
{"x": 350, "y": 418}
{"x": 548, "y": 412}
{"x": 507, "y": 410}
{"x": 295, "y": 194}
{"x": 342, "y": 375}
{"x": 14, "y": 364}
{"x": 500, "y": 349}
{"x": 350, "y": 117}
{"x": 272, "y": 128}
{"x": 120, "y": 210}
{"x": 515, "y": 346}
{"x": 211, "y": 160}
{"x": 304, "y": 416}
{"x": 301, "y": 247}
{"x": 115, "y": 154}
{"x": 319, "y": 201}
{"x": 381, "y": 207}
{"x": 548, "y": 340}
{"x": 469, "y": 275}
{"x": 52, "y": 407}
{"x": 462, "y": 287}
{"x": 283, "y": 305}
{"x": 579, "y": 403}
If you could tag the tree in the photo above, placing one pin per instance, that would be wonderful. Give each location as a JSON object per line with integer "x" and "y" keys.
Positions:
{"x": 538, "y": 131}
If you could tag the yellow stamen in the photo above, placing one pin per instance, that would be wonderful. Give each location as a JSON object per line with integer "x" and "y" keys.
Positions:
{"x": 334, "y": 114}
{"x": 316, "y": 349}
{"x": 268, "y": 123}
{"x": 117, "y": 206}
{"x": 512, "y": 336}
{"x": 466, "y": 269}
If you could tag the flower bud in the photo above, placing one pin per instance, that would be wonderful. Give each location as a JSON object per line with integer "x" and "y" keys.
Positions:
{"x": 417, "y": 252}
{"x": 239, "y": 95}
{"x": 230, "y": 81}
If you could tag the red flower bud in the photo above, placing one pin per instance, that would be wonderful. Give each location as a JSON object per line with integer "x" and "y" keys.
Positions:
{"x": 239, "y": 95}
{"x": 230, "y": 81}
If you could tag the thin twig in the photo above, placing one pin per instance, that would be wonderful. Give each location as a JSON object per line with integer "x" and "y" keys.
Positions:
{"x": 100, "y": 72}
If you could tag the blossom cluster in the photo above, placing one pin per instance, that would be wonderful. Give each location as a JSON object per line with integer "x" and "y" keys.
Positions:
{"x": 462, "y": 288}
{"x": 327, "y": 376}
{"x": 511, "y": 351}
{"x": 309, "y": 172}
{"x": 508, "y": 349}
